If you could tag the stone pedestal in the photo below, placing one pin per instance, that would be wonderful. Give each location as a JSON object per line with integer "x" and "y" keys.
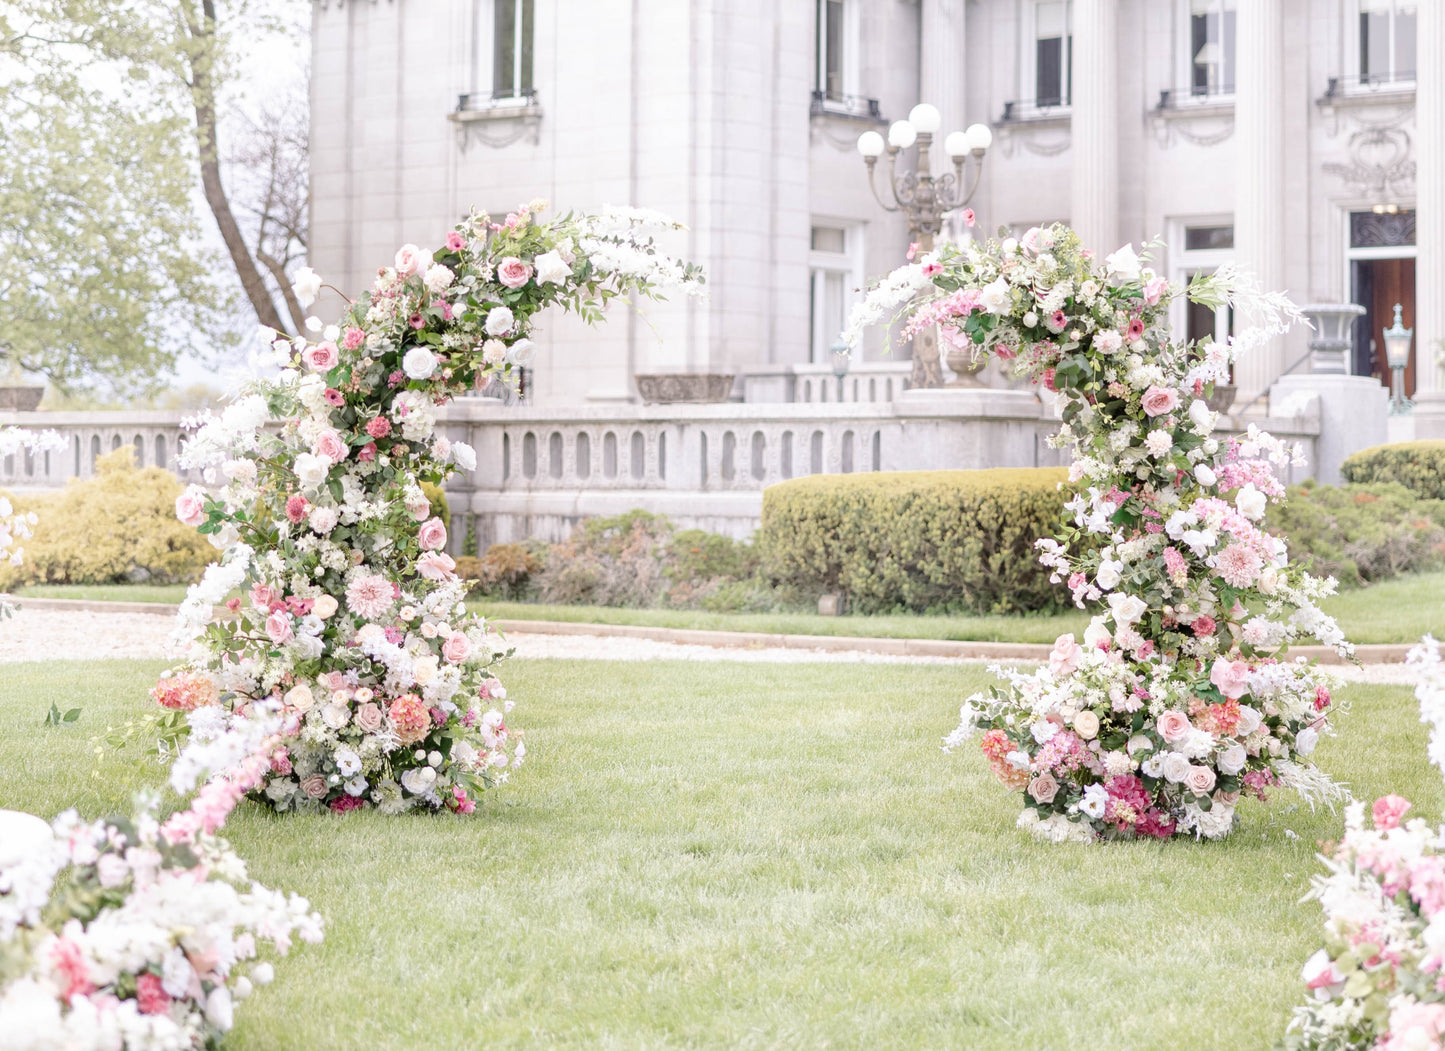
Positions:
{"x": 1354, "y": 413}
{"x": 957, "y": 428}
{"x": 1429, "y": 414}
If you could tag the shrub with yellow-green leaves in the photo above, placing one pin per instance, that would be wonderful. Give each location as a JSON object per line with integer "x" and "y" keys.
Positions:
{"x": 117, "y": 526}
{"x": 960, "y": 541}
{"x": 1418, "y": 466}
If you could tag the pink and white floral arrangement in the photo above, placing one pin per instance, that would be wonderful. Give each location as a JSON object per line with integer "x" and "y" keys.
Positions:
{"x": 1379, "y": 982}
{"x": 143, "y": 933}
{"x": 1178, "y": 700}
{"x": 350, "y": 615}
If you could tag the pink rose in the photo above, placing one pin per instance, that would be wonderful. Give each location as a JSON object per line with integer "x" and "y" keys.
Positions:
{"x": 456, "y": 648}
{"x": 1155, "y": 288}
{"x": 1199, "y": 780}
{"x": 314, "y": 786}
{"x": 321, "y": 356}
{"x": 1232, "y": 678}
{"x": 1389, "y": 810}
{"x": 1064, "y": 658}
{"x": 1043, "y": 788}
{"x": 1160, "y": 400}
{"x": 1320, "y": 971}
{"x": 278, "y": 627}
{"x": 434, "y": 565}
{"x": 433, "y": 535}
{"x": 368, "y": 716}
{"x": 409, "y": 260}
{"x": 367, "y": 452}
{"x": 262, "y": 595}
{"x": 1173, "y": 725}
{"x": 329, "y": 446}
{"x": 191, "y": 507}
{"x": 513, "y": 273}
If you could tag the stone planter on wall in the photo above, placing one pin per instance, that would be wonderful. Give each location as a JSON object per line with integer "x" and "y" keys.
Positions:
{"x": 20, "y": 399}
{"x": 668, "y": 388}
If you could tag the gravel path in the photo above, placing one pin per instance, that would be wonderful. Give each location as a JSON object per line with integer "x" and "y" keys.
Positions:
{"x": 41, "y": 634}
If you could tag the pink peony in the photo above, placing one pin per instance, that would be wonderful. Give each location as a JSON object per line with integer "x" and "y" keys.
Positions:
{"x": 1154, "y": 289}
{"x": 1389, "y": 810}
{"x": 456, "y": 648}
{"x": 1173, "y": 725}
{"x": 1066, "y": 655}
{"x": 191, "y": 507}
{"x": 321, "y": 357}
{"x": 433, "y": 535}
{"x": 513, "y": 273}
{"x": 329, "y": 445}
{"x": 278, "y": 627}
{"x": 1160, "y": 400}
{"x": 262, "y": 595}
{"x": 434, "y": 565}
{"x": 1232, "y": 678}
{"x": 369, "y": 596}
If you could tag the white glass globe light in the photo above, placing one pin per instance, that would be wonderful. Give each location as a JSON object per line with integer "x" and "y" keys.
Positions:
{"x": 958, "y": 144}
{"x": 870, "y": 144}
{"x": 902, "y": 134}
{"x": 980, "y": 136}
{"x": 926, "y": 119}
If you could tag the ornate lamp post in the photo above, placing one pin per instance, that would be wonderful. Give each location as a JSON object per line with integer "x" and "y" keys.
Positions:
{"x": 923, "y": 198}
{"x": 1397, "y": 354}
{"x": 841, "y": 360}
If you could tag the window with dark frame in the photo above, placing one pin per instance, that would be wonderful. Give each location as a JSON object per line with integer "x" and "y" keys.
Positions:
{"x": 829, "y": 78}
{"x": 1211, "y": 47}
{"x": 1387, "y": 40}
{"x": 512, "y": 27}
{"x": 1053, "y": 53}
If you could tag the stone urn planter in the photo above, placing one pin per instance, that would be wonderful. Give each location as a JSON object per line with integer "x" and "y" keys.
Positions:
{"x": 1222, "y": 398}
{"x": 964, "y": 367}
{"x": 20, "y": 399}
{"x": 671, "y": 388}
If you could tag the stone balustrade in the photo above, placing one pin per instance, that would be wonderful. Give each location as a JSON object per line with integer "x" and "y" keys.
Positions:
{"x": 541, "y": 471}
{"x": 871, "y": 382}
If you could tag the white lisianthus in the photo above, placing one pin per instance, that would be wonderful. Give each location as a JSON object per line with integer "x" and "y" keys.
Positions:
{"x": 1096, "y": 799}
{"x": 499, "y": 321}
{"x": 551, "y": 268}
{"x": 1110, "y": 573}
{"x": 419, "y": 363}
{"x": 1097, "y": 633}
{"x": 1201, "y": 416}
{"x": 995, "y": 296}
{"x": 307, "y": 286}
{"x": 1251, "y": 502}
{"x": 465, "y": 456}
{"x": 1204, "y": 475}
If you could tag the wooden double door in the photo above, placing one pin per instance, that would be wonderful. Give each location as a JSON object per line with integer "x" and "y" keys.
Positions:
{"x": 1377, "y": 285}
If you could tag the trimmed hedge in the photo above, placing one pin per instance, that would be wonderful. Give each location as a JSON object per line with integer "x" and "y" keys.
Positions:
{"x": 955, "y": 541}
{"x": 1418, "y": 466}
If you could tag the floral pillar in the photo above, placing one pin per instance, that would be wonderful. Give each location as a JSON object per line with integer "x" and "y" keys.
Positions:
{"x": 1095, "y": 135}
{"x": 1430, "y": 227}
{"x": 1259, "y": 183}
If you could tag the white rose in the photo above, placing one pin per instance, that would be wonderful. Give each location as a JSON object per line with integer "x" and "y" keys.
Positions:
{"x": 306, "y": 285}
{"x": 1201, "y": 416}
{"x": 311, "y": 469}
{"x": 415, "y": 780}
{"x": 336, "y": 716}
{"x": 995, "y": 296}
{"x": 465, "y": 456}
{"x": 1232, "y": 759}
{"x": 1127, "y": 609}
{"x": 1123, "y": 264}
{"x": 1110, "y": 573}
{"x": 419, "y": 363}
{"x": 1268, "y": 582}
{"x": 522, "y": 352}
{"x": 551, "y": 267}
{"x": 1139, "y": 743}
{"x": 1306, "y": 739}
{"x": 1174, "y": 767}
{"x": 499, "y": 321}
{"x": 1251, "y": 502}
{"x": 424, "y": 670}
{"x": 1204, "y": 475}
{"x": 1249, "y": 720}
{"x": 438, "y": 278}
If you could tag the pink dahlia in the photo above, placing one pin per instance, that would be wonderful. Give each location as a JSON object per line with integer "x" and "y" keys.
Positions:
{"x": 1239, "y": 565}
{"x": 369, "y": 596}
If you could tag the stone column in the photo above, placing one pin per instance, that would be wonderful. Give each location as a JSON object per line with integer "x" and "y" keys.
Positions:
{"x": 940, "y": 76}
{"x": 1430, "y": 225}
{"x": 1259, "y": 168}
{"x": 1094, "y": 139}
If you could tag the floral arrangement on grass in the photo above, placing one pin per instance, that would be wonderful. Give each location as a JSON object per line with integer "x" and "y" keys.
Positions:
{"x": 16, "y": 527}
{"x": 350, "y": 614}
{"x": 1377, "y": 983}
{"x": 1178, "y": 700}
{"x": 143, "y": 932}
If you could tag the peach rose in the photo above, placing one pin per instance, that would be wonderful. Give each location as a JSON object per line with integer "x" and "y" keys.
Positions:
{"x": 1173, "y": 725}
{"x": 329, "y": 445}
{"x": 1066, "y": 655}
{"x": 1043, "y": 788}
{"x": 1232, "y": 678}
{"x": 456, "y": 648}
{"x": 314, "y": 786}
{"x": 513, "y": 273}
{"x": 1160, "y": 400}
{"x": 368, "y": 717}
{"x": 1199, "y": 780}
{"x": 433, "y": 535}
{"x": 191, "y": 507}
{"x": 1086, "y": 725}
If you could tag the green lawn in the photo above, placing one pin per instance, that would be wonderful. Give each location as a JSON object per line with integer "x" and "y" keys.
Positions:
{"x": 719, "y": 855}
{"x": 1398, "y": 610}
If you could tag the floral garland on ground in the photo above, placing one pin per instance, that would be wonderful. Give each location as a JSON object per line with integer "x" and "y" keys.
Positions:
{"x": 132, "y": 932}
{"x": 352, "y": 618}
{"x": 1377, "y": 984}
{"x": 1179, "y": 699}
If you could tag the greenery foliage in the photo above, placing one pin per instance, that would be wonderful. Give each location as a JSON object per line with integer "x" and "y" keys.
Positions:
{"x": 117, "y": 526}
{"x": 1360, "y": 534}
{"x": 959, "y": 541}
{"x": 1418, "y": 466}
